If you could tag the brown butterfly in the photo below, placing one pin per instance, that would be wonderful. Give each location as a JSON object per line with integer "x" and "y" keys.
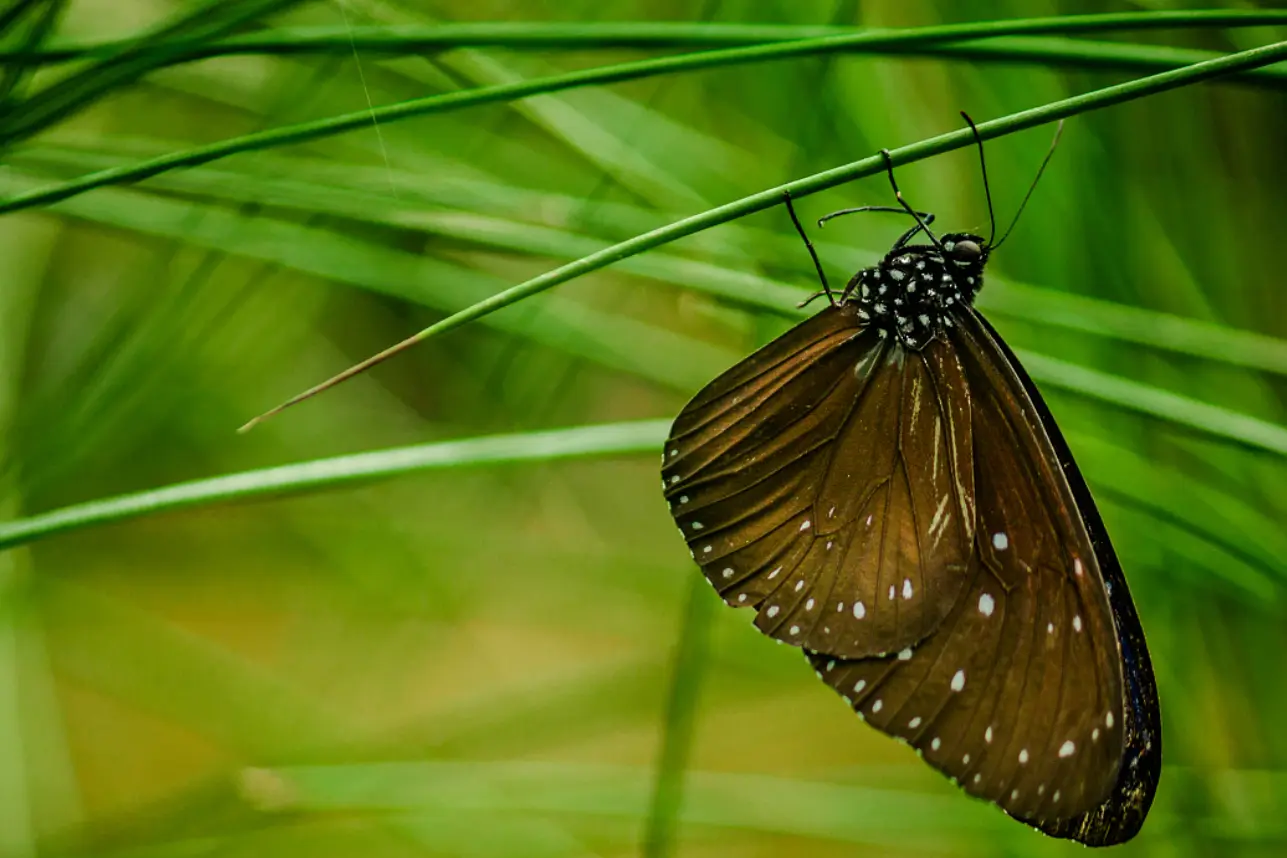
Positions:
{"x": 885, "y": 487}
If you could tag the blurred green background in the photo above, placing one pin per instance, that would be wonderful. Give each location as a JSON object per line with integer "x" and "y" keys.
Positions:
{"x": 514, "y": 659}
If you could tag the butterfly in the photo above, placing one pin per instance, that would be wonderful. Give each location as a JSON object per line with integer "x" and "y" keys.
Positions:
{"x": 885, "y": 487}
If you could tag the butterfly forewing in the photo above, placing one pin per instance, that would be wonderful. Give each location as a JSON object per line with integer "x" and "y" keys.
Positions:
{"x": 791, "y": 500}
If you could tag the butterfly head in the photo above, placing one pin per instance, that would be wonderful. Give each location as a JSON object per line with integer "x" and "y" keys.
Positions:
{"x": 913, "y": 292}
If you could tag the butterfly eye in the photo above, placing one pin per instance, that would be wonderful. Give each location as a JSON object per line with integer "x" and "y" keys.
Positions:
{"x": 966, "y": 251}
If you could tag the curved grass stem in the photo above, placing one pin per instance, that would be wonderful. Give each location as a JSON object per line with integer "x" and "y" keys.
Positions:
{"x": 770, "y": 197}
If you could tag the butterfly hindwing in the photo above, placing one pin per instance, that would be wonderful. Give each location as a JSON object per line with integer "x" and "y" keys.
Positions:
{"x": 1018, "y": 696}
{"x": 1119, "y": 817}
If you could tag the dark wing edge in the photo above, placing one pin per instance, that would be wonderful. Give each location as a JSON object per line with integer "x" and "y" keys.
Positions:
{"x": 1121, "y": 815}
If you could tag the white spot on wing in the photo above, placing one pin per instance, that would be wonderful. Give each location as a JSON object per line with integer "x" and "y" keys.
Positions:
{"x": 728, "y": 573}
{"x": 860, "y": 611}
{"x": 1067, "y": 749}
{"x": 958, "y": 680}
{"x": 773, "y": 611}
{"x": 905, "y": 654}
{"x": 1000, "y": 541}
{"x": 907, "y": 588}
{"x": 986, "y": 604}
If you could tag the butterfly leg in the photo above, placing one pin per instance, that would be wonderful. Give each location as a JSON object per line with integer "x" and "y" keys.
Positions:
{"x": 826, "y": 290}
{"x": 921, "y": 225}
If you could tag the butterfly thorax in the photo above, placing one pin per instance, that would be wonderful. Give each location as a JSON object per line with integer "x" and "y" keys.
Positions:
{"x": 912, "y": 293}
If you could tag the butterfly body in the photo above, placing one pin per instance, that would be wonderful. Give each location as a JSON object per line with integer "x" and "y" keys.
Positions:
{"x": 910, "y": 295}
{"x": 885, "y": 487}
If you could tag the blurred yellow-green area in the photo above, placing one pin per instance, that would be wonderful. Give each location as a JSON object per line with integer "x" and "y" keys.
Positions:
{"x": 519, "y": 658}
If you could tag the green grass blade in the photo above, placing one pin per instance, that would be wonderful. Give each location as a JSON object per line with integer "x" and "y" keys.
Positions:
{"x": 302, "y": 132}
{"x": 679, "y": 720}
{"x": 765, "y": 199}
{"x": 581, "y": 442}
{"x": 541, "y": 35}
{"x": 1153, "y": 401}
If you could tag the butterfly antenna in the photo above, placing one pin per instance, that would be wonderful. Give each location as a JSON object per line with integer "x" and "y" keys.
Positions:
{"x": 1059, "y": 129}
{"x": 987, "y": 188}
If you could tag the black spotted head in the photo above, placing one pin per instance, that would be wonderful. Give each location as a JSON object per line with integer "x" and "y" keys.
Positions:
{"x": 911, "y": 294}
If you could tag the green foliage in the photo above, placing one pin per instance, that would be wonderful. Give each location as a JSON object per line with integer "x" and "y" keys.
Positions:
{"x": 211, "y": 206}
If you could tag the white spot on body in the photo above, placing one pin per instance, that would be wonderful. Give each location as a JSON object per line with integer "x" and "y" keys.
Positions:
{"x": 860, "y": 610}
{"x": 958, "y": 680}
{"x": 895, "y": 275}
{"x": 986, "y": 605}
{"x": 1000, "y": 541}
{"x": 1067, "y": 749}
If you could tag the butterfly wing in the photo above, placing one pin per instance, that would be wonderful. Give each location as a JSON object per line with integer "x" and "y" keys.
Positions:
{"x": 1119, "y": 817}
{"x": 1020, "y": 694}
{"x": 782, "y": 479}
